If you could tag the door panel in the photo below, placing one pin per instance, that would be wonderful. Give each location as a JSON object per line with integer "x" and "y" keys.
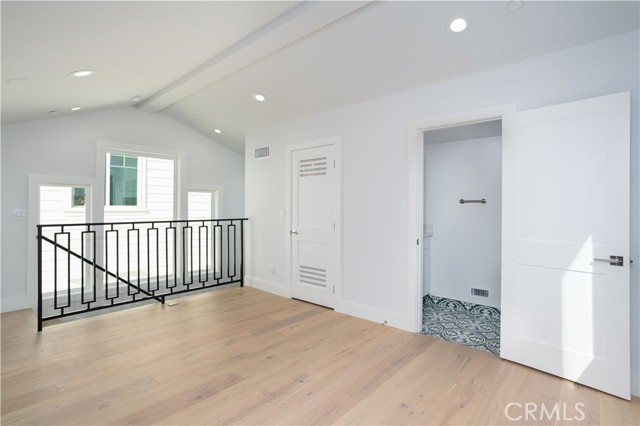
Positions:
{"x": 312, "y": 224}
{"x": 566, "y": 203}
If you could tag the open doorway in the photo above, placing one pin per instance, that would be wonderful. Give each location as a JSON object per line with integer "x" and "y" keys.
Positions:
{"x": 461, "y": 257}
{"x": 560, "y": 193}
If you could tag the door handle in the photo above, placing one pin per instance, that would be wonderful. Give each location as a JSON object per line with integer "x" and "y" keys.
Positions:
{"x": 293, "y": 232}
{"x": 613, "y": 260}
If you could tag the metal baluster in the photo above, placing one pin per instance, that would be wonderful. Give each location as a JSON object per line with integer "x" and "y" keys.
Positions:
{"x": 241, "y": 253}
{"x": 39, "y": 227}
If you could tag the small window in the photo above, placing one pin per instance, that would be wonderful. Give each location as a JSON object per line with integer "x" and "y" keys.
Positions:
{"x": 200, "y": 205}
{"x": 123, "y": 180}
{"x": 78, "y": 197}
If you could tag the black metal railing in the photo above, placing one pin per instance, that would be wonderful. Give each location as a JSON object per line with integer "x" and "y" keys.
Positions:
{"x": 84, "y": 267}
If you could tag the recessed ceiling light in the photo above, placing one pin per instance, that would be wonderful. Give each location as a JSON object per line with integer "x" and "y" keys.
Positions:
{"x": 458, "y": 25}
{"x": 259, "y": 97}
{"x": 515, "y": 5}
{"x": 218, "y": 131}
{"x": 81, "y": 73}
{"x": 74, "y": 109}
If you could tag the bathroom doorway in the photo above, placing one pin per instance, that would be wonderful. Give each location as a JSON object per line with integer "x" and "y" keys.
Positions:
{"x": 462, "y": 234}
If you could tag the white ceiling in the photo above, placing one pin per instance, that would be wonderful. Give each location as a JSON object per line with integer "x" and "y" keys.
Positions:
{"x": 201, "y": 61}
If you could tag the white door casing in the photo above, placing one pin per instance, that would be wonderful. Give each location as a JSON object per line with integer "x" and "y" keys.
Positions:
{"x": 566, "y": 203}
{"x": 415, "y": 218}
{"x": 313, "y": 221}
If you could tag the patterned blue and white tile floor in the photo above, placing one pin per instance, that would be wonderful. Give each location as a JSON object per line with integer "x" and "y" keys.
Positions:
{"x": 468, "y": 324}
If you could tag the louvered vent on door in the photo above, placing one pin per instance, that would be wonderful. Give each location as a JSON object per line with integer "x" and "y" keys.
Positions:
{"x": 313, "y": 167}
{"x": 261, "y": 152}
{"x": 314, "y": 276}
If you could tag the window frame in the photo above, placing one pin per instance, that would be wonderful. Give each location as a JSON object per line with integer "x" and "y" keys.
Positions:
{"x": 180, "y": 173}
{"x": 35, "y": 182}
{"x": 141, "y": 196}
{"x": 215, "y": 213}
{"x": 216, "y": 199}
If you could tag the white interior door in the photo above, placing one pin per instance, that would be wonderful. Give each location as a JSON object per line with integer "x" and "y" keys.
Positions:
{"x": 312, "y": 230}
{"x": 565, "y": 298}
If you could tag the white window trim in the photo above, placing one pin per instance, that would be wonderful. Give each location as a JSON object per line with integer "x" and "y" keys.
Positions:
{"x": 35, "y": 182}
{"x": 180, "y": 195}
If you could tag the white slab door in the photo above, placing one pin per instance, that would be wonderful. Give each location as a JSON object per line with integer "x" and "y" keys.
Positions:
{"x": 565, "y": 261}
{"x": 312, "y": 227}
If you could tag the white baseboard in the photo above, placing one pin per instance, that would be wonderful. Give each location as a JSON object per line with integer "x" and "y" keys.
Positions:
{"x": 14, "y": 304}
{"x": 380, "y": 316}
{"x": 357, "y": 310}
{"x": 635, "y": 383}
{"x": 269, "y": 286}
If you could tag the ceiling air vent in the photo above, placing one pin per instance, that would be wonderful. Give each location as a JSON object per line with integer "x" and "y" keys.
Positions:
{"x": 261, "y": 152}
{"x": 479, "y": 292}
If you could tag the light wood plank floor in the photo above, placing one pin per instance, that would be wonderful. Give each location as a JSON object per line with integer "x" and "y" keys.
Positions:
{"x": 242, "y": 356}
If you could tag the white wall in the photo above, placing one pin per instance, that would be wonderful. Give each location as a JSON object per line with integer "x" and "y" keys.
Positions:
{"x": 465, "y": 246}
{"x": 375, "y": 178}
{"x": 66, "y": 146}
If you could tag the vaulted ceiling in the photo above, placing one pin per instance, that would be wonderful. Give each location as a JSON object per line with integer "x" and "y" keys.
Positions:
{"x": 201, "y": 61}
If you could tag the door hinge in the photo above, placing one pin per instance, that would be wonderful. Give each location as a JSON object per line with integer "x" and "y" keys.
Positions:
{"x": 334, "y": 164}
{"x": 418, "y": 242}
{"x": 334, "y": 289}
{"x": 334, "y": 226}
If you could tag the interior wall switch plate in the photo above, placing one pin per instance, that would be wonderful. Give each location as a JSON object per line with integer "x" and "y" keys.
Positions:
{"x": 20, "y": 214}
